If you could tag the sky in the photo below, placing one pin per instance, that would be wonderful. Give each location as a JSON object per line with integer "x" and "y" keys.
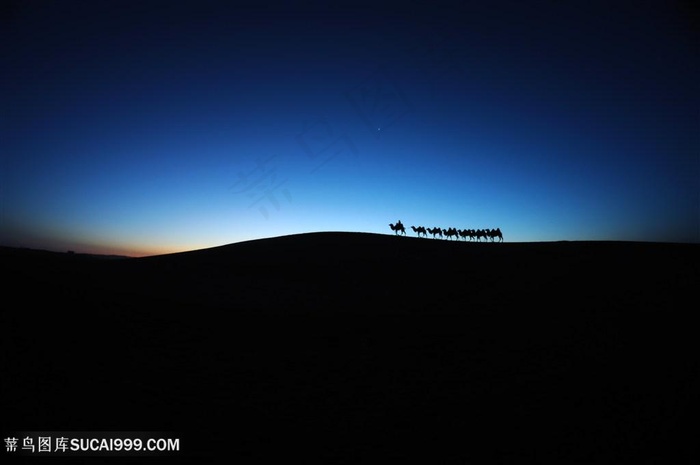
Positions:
{"x": 149, "y": 127}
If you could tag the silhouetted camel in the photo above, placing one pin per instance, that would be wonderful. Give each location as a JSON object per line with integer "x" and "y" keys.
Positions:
{"x": 419, "y": 230}
{"x": 473, "y": 234}
{"x": 450, "y": 232}
{"x": 398, "y": 228}
{"x": 496, "y": 233}
{"x": 435, "y": 232}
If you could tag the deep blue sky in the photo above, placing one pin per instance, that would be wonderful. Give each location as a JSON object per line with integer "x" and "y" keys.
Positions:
{"x": 140, "y": 127}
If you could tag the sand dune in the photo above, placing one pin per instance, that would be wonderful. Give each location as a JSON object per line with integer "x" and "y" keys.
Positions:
{"x": 350, "y": 347}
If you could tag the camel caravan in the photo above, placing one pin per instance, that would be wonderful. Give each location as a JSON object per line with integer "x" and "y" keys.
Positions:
{"x": 488, "y": 235}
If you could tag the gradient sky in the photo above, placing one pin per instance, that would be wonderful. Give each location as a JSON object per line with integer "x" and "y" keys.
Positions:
{"x": 141, "y": 127}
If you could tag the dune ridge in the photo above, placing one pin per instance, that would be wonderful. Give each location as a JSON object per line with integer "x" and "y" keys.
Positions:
{"x": 352, "y": 347}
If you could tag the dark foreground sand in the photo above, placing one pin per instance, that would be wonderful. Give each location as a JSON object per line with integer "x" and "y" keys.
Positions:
{"x": 363, "y": 348}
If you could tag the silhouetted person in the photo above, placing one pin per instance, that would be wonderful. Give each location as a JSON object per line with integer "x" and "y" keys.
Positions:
{"x": 398, "y": 228}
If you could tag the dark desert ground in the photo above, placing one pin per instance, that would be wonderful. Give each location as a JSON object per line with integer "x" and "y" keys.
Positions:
{"x": 363, "y": 348}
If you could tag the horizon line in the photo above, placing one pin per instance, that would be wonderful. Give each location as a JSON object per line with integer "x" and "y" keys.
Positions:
{"x": 107, "y": 255}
